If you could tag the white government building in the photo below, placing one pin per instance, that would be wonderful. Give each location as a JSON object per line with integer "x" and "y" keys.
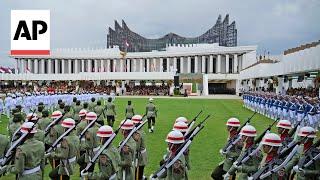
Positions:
{"x": 219, "y": 67}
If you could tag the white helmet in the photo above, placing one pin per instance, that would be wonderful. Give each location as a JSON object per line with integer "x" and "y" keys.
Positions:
{"x": 180, "y": 126}
{"x": 150, "y": 99}
{"x": 249, "y": 131}
{"x": 307, "y": 131}
{"x": 285, "y": 124}
{"x": 56, "y": 114}
{"x": 91, "y": 116}
{"x": 126, "y": 124}
{"x": 82, "y": 112}
{"x": 175, "y": 137}
{"x": 272, "y": 139}
{"x": 182, "y": 119}
{"x": 32, "y": 117}
{"x": 233, "y": 122}
{"x": 25, "y": 128}
{"x": 136, "y": 119}
{"x": 68, "y": 123}
{"x": 105, "y": 131}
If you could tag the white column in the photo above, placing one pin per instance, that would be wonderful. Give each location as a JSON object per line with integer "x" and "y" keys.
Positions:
{"x": 168, "y": 64}
{"x": 82, "y": 66}
{"x": 235, "y": 63}
{"x": 96, "y": 65}
{"x": 36, "y": 66}
{"x": 161, "y": 64}
{"x": 195, "y": 64}
{"x": 141, "y": 65}
{"x": 22, "y": 66}
{"x": 115, "y": 69}
{"x": 76, "y": 66}
{"x": 148, "y": 65}
{"x": 108, "y": 65}
{"x": 102, "y": 69}
{"x": 63, "y": 66}
{"x": 181, "y": 64}
{"x": 121, "y": 65}
{"x": 69, "y": 66}
{"x": 203, "y": 64}
{"x": 16, "y": 66}
{"x": 56, "y": 66}
{"x": 154, "y": 66}
{"x": 128, "y": 65}
{"x": 211, "y": 64}
{"x": 30, "y": 66}
{"x": 218, "y": 66}
{"x": 227, "y": 63}
{"x": 205, "y": 91}
{"x": 89, "y": 65}
{"x": 49, "y": 61}
{"x": 189, "y": 64}
{"x": 134, "y": 66}
{"x": 175, "y": 64}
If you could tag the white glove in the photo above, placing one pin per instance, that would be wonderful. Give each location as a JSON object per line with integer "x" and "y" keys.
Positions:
{"x": 297, "y": 169}
{"x": 83, "y": 174}
{"x": 226, "y": 176}
{"x": 235, "y": 165}
{"x": 250, "y": 178}
{"x": 221, "y": 152}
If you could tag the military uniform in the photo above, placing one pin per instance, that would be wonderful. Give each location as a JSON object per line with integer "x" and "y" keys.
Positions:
{"x": 151, "y": 114}
{"x": 29, "y": 160}
{"x": 67, "y": 155}
{"x": 4, "y": 145}
{"x": 127, "y": 155}
{"x": 129, "y": 111}
{"x": 271, "y": 163}
{"x": 76, "y": 110}
{"x": 111, "y": 113}
{"x": 92, "y": 106}
{"x": 177, "y": 171}
{"x": 54, "y": 134}
{"x": 141, "y": 152}
{"x": 43, "y": 123}
{"x": 100, "y": 111}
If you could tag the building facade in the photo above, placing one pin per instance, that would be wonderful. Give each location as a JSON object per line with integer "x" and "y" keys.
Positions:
{"x": 222, "y": 32}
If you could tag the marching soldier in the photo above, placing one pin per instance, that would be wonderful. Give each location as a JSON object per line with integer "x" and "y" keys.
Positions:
{"x": 76, "y": 109}
{"x": 17, "y": 121}
{"x": 92, "y": 104}
{"x": 66, "y": 153}
{"x": 108, "y": 159}
{"x": 183, "y": 128}
{"x": 86, "y": 106}
{"x": 178, "y": 170}
{"x": 284, "y": 126}
{"x": 68, "y": 113}
{"x": 111, "y": 112}
{"x": 29, "y": 157}
{"x": 99, "y": 110}
{"x": 74, "y": 104}
{"x": 248, "y": 133}
{"x": 40, "y": 109}
{"x": 151, "y": 115}
{"x": 127, "y": 153}
{"x": 60, "y": 106}
{"x": 91, "y": 141}
{"x": 305, "y": 153}
{"x": 141, "y": 151}
{"x": 44, "y": 121}
{"x": 129, "y": 110}
{"x": 39, "y": 135}
{"x": 230, "y": 156}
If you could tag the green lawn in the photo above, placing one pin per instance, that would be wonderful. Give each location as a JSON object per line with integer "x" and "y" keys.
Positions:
{"x": 204, "y": 154}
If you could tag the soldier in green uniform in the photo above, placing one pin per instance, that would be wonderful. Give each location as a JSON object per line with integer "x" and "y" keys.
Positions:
{"x": 111, "y": 112}
{"x": 141, "y": 151}
{"x": 92, "y": 104}
{"x": 86, "y": 106}
{"x": 76, "y": 109}
{"x": 99, "y": 109}
{"x": 305, "y": 153}
{"x": 67, "y": 153}
{"x": 129, "y": 110}
{"x": 108, "y": 159}
{"x": 127, "y": 153}
{"x": 4, "y": 145}
{"x": 183, "y": 128}
{"x": 244, "y": 170}
{"x": 44, "y": 121}
{"x": 233, "y": 153}
{"x": 74, "y": 103}
{"x": 40, "y": 108}
{"x": 61, "y": 107}
{"x": 178, "y": 170}
{"x": 17, "y": 121}
{"x": 68, "y": 113}
{"x": 39, "y": 135}
{"x": 19, "y": 110}
{"x": 91, "y": 142}
{"x": 151, "y": 113}
{"x": 29, "y": 158}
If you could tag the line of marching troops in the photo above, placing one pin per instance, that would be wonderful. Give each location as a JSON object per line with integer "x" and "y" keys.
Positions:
{"x": 292, "y": 108}
{"x": 291, "y": 153}
{"x": 76, "y": 134}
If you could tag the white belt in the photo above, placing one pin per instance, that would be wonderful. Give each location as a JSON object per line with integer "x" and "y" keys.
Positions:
{"x": 96, "y": 149}
{"x": 113, "y": 176}
{"x": 143, "y": 151}
{"x": 72, "y": 159}
{"x": 31, "y": 171}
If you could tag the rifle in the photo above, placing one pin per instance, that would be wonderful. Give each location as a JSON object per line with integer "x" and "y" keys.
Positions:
{"x": 301, "y": 163}
{"x": 105, "y": 145}
{"x": 231, "y": 143}
{"x": 47, "y": 129}
{"x": 135, "y": 129}
{"x": 11, "y": 151}
{"x": 290, "y": 146}
{"x": 294, "y": 129}
{"x": 18, "y": 130}
{"x": 193, "y": 121}
{"x": 259, "y": 139}
{"x": 57, "y": 142}
{"x": 90, "y": 125}
{"x": 180, "y": 150}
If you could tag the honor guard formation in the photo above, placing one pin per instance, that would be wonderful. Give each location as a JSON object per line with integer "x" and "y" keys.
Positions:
{"x": 67, "y": 132}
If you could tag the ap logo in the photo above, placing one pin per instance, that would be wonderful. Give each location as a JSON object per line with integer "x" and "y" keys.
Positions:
{"x": 30, "y": 32}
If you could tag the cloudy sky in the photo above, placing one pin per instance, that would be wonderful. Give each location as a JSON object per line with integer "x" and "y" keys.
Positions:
{"x": 273, "y": 25}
